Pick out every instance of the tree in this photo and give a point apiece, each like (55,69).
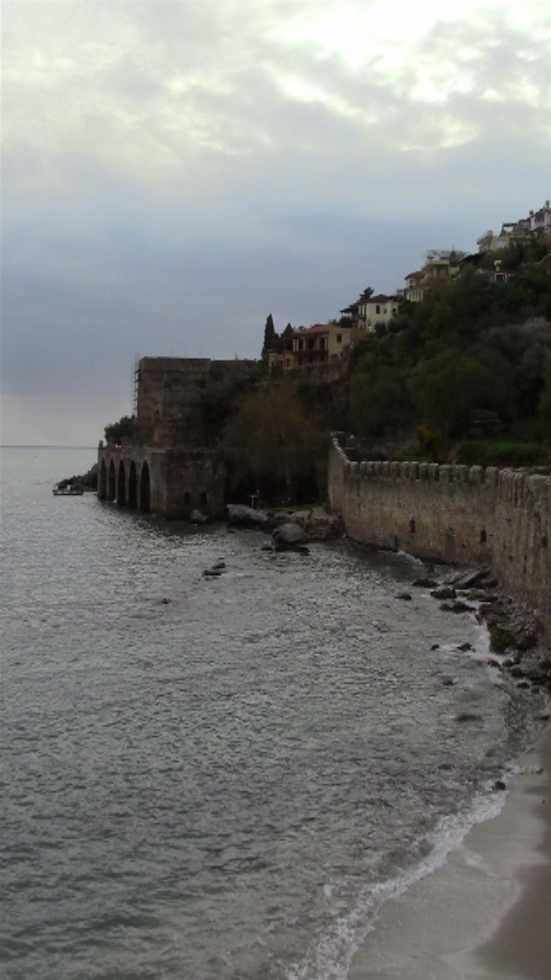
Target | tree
(270,336)
(379,400)
(125,428)
(448,387)
(286,338)
(271,445)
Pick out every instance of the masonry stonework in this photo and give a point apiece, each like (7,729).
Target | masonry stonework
(457,514)
(168,468)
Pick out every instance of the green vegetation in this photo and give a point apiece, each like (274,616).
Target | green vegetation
(271,445)
(473,344)
(463,375)
(125,428)
(497,452)
(273,341)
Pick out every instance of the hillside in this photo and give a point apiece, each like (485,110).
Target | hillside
(464,374)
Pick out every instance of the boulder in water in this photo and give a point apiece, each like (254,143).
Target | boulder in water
(289,535)
(239,515)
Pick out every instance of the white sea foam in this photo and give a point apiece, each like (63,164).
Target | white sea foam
(331,956)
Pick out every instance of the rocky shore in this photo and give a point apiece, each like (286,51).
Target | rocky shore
(517,640)
(88,481)
(516,637)
(289,529)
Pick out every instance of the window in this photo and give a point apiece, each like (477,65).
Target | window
(339,338)
(377,308)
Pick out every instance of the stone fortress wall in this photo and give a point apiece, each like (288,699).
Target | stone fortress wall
(168,468)
(458,514)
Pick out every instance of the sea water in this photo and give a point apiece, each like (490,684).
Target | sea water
(222,778)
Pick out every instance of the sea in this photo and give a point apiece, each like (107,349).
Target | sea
(224,778)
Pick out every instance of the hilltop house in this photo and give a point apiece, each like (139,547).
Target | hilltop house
(537,224)
(440,266)
(323,343)
(369,310)
(540,221)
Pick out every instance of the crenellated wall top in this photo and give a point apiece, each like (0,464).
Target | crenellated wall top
(511,486)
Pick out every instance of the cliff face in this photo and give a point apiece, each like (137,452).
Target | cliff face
(458,514)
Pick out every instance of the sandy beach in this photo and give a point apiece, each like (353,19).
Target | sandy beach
(485,914)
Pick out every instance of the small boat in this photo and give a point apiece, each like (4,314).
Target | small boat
(68,490)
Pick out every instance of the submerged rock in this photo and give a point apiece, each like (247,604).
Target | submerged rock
(444,593)
(215,570)
(477,576)
(456,607)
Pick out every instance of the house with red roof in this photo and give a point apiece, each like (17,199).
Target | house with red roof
(323,343)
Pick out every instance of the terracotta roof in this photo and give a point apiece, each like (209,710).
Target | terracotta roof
(319,328)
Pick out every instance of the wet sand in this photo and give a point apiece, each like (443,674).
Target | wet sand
(486,914)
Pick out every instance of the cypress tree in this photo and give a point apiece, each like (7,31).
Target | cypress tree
(270,338)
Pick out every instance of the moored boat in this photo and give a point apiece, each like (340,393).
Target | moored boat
(68,490)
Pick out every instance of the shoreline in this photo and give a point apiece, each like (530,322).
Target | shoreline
(486,913)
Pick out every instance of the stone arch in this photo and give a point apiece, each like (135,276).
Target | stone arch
(121,484)
(111,481)
(132,486)
(145,488)
(102,480)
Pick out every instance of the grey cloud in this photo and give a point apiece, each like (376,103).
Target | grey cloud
(266,203)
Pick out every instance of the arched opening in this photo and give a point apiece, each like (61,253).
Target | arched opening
(145,489)
(111,481)
(102,481)
(132,486)
(121,485)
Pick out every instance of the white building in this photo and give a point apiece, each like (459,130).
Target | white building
(536,224)
(369,310)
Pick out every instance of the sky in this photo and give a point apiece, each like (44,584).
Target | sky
(175,170)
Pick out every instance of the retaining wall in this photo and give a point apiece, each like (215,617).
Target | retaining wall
(458,514)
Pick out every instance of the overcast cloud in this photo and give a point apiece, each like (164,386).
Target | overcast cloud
(173,171)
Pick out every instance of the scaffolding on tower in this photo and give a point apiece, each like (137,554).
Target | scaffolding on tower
(135,383)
